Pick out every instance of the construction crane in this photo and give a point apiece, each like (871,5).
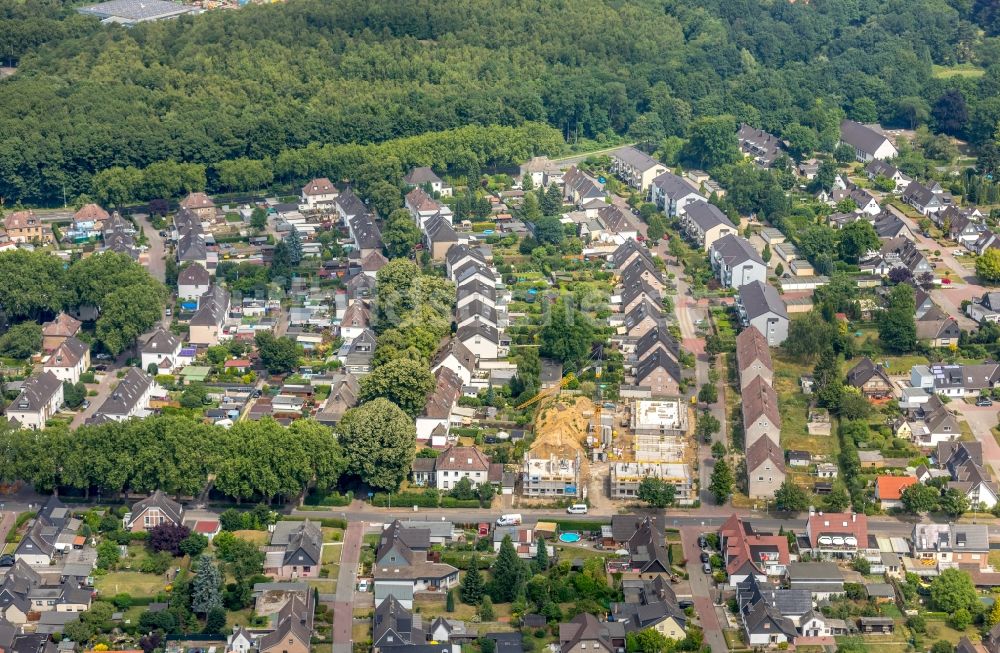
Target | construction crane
(550,391)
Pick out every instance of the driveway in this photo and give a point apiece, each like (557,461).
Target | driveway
(156,264)
(981,419)
(703,590)
(343,607)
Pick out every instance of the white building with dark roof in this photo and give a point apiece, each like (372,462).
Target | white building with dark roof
(760,305)
(69,360)
(868,144)
(635,167)
(672,194)
(736,262)
(37,402)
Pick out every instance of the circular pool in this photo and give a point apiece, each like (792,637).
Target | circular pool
(569,538)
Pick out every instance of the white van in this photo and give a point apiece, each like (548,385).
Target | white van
(513,519)
(577,509)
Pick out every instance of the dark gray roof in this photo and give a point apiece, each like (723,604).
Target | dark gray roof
(366,233)
(476,308)
(476,287)
(36,392)
(635,158)
(888,225)
(860,136)
(194,275)
(161,341)
(481,329)
(305,546)
(191,247)
(457,252)
(657,337)
(814,571)
(644,309)
(165,504)
(657,360)
(625,251)
(706,215)
(758,299)
(439,230)
(762,618)
(212,307)
(350,204)
(673,186)
(394,620)
(423,175)
(735,250)
(126,394)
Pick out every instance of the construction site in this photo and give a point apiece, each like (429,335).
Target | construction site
(591,451)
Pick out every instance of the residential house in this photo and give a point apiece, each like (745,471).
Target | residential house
(753,358)
(823,579)
(293,628)
(461,254)
(543,172)
(192,249)
(69,360)
(765,625)
(987,240)
(880,168)
(456,463)
(118,236)
(356,356)
(760,306)
(295,553)
(950,545)
(318,193)
(889,226)
(355,320)
(650,604)
(193,281)
(206,325)
(636,168)
(889,490)
(639,271)
(434,423)
(986,308)
(618,221)
(482,340)
(200,204)
(152,511)
(705,223)
(765,468)
(964,463)
(579,188)
(162,349)
(646,549)
(54,333)
(585,633)
(761,418)
(923,199)
(836,535)
(402,567)
(871,379)
(868,143)
(659,372)
(672,194)
(424,177)
(645,317)
(38,401)
(477,311)
(938,328)
(748,553)
(372,263)
(924,303)
(24,592)
(656,339)
(130,398)
(394,626)
(736,262)
(759,145)
(961,225)
(956,380)
(626,253)
(421,206)
(365,234)
(52,532)
(25,227)
(992,640)
(439,237)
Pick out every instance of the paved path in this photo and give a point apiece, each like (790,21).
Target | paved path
(7,521)
(343,607)
(703,591)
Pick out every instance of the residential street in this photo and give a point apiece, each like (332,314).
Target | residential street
(981,419)
(343,607)
(702,591)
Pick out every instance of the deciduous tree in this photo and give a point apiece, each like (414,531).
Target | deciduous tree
(378,441)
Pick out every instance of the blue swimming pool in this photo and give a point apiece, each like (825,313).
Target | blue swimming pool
(569,537)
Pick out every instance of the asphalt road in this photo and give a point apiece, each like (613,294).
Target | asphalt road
(703,591)
(343,607)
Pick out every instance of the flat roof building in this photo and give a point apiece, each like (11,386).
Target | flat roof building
(132,12)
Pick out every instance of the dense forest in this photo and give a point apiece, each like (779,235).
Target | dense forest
(247,85)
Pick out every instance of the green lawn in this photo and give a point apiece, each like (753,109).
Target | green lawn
(958,70)
(129,582)
(259,538)
(331,553)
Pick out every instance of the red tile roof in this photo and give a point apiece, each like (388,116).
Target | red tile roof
(891,487)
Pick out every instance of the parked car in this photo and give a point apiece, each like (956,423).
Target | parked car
(363,585)
(85,405)
(702,541)
(169,312)
(103,357)
(6,560)
(984,401)
(705,557)
(577,509)
(685,603)
(707,568)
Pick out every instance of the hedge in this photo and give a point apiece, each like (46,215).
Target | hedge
(330,499)
(332,522)
(576,525)
(12,536)
(452,502)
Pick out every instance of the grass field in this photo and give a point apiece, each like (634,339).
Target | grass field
(794,409)
(331,553)
(958,70)
(254,537)
(129,582)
